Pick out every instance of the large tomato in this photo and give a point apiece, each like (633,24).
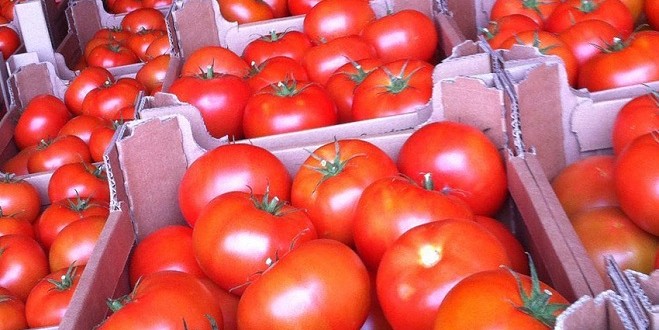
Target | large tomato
(231,167)
(228,303)
(100,140)
(636,179)
(248,232)
(637,117)
(139,42)
(75,242)
(391,206)
(12,311)
(62,150)
(320,284)
(273,70)
(19,199)
(159,46)
(51,296)
(570,12)
(331,19)
(585,184)
(82,126)
(331,180)
(22,264)
(395,88)
(500,299)
(245,11)
(81,179)
(518,259)
(423,264)
(321,61)
(462,160)
(626,62)
(300,7)
(220,98)
(10,225)
(215,58)
(507,26)
(342,83)
(288,106)
(108,100)
(9,41)
(165,300)
(407,34)
(42,118)
(153,253)
(587,38)
(152,74)
(291,44)
(17,164)
(144,19)
(111,55)
(651,10)
(537,10)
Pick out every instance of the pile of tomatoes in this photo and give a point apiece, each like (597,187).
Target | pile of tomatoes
(596,39)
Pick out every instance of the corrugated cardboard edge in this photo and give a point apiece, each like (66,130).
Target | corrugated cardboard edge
(588,313)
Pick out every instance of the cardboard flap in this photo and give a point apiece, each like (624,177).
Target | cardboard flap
(198,23)
(589,313)
(34,29)
(586,115)
(86,19)
(238,36)
(467,59)
(471,15)
(32,80)
(450,35)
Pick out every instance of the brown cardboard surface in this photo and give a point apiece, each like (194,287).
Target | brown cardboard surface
(588,313)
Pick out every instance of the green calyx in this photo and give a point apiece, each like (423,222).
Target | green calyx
(266,204)
(116,304)
(8,178)
(398,82)
(66,281)
(587,6)
(272,36)
(79,204)
(331,167)
(428,184)
(358,77)
(536,302)
(287,88)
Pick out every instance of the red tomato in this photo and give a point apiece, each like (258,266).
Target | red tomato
(19,199)
(423,264)
(231,167)
(100,140)
(539,11)
(635,7)
(111,55)
(12,311)
(82,126)
(156,3)
(587,38)
(228,303)
(159,46)
(149,254)
(95,42)
(88,79)
(75,243)
(274,70)
(41,119)
(245,11)
(323,60)
(167,299)
(651,10)
(629,62)
(407,34)
(497,299)
(10,225)
(288,106)
(636,178)
(139,42)
(570,12)
(125,6)
(18,163)
(220,98)
(144,19)
(395,88)
(9,41)
(586,184)
(342,83)
(548,44)
(219,59)
(291,44)
(639,116)
(50,298)
(153,73)
(466,164)
(331,19)
(391,206)
(331,180)
(116,34)
(507,26)
(107,101)
(60,214)
(279,8)
(82,180)
(62,150)
(309,288)
(518,259)
(301,7)
(249,232)
(22,264)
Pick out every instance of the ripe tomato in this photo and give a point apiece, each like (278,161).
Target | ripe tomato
(95,42)
(342,83)
(548,44)
(651,10)
(570,12)
(88,79)
(394,88)
(18,163)
(627,62)
(288,106)
(245,11)
(424,263)
(322,60)
(19,199)
(116,34)
(300,7)
(331,180)
(159,46)
(507,26)
(639,116)
(539,11)
(62,150)
(309,288)
(215,58)
(9,41)
(41,119)
(273,70)
(636,178)
(153,73)
(143,19)
(228,303)
(81,179)
(111,55)
(231,167)
(51,296)
(60,214)
(586,184)
(407,34)
(518,259)
(75,242)
(82,126)
(391,206)
(249,232)
(10,225)
(139,42)
(291,44)
(149,254)
(331,19)
(500,299)
(12,311)
(587,38)
(125,6)
(635,7)
(100,140)
(167,299)
(22,264)
(466,164)
(108,100)
(156,3)
(220,98)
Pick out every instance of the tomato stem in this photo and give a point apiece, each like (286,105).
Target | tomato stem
(428,184)
(587,6)
(66,281)
(272,206)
